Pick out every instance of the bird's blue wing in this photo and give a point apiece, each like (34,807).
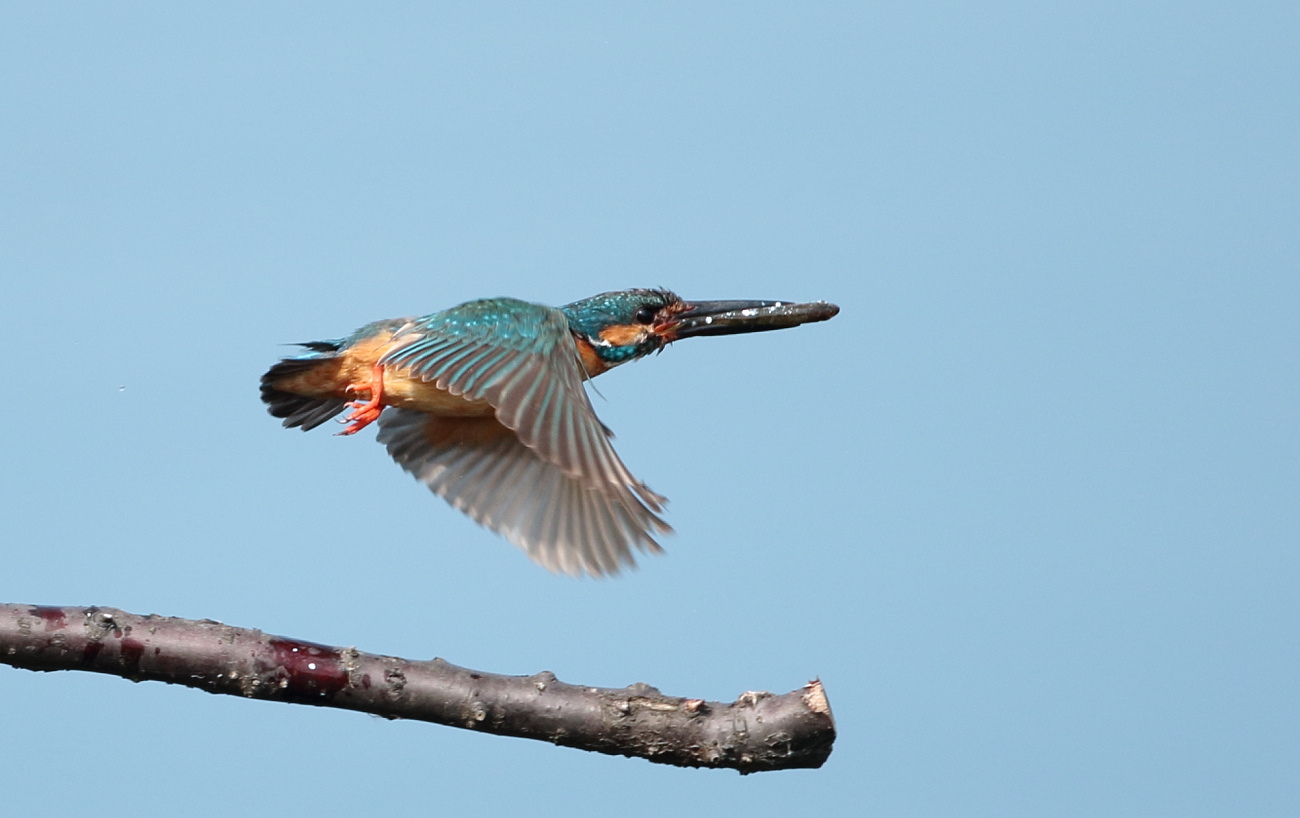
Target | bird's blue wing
(521,358)
(559,490)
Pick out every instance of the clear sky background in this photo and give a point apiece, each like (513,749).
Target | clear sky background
(1028,506)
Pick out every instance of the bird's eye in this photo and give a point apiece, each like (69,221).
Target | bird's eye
(645,315)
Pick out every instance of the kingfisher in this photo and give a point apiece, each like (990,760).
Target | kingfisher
(485,404)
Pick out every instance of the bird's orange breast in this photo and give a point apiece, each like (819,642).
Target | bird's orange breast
(400,389)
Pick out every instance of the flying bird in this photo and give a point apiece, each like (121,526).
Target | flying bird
(485,404)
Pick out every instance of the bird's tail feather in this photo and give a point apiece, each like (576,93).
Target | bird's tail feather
(300,410)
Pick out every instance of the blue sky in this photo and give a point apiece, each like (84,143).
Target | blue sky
(1028,506)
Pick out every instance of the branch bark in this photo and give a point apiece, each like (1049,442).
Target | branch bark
(757,732)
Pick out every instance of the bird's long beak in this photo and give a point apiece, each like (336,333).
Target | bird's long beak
(732,317)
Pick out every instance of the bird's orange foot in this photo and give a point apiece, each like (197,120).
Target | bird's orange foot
(366,412)
(362,415)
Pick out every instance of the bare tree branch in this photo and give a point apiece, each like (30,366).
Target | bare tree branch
(758,731)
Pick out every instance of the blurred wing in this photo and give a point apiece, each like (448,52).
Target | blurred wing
(486,471)
(522,359)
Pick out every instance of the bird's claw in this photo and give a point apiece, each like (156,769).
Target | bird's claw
(362,415)
(365,412)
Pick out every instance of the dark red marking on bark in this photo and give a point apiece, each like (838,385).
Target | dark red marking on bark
(89,652)
(365,680)
(308,670)
(132,652)
(53,617)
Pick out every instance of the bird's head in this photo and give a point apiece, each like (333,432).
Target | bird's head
(617,327)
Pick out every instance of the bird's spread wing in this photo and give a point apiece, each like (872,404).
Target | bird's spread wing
(485,470)
(556,487)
